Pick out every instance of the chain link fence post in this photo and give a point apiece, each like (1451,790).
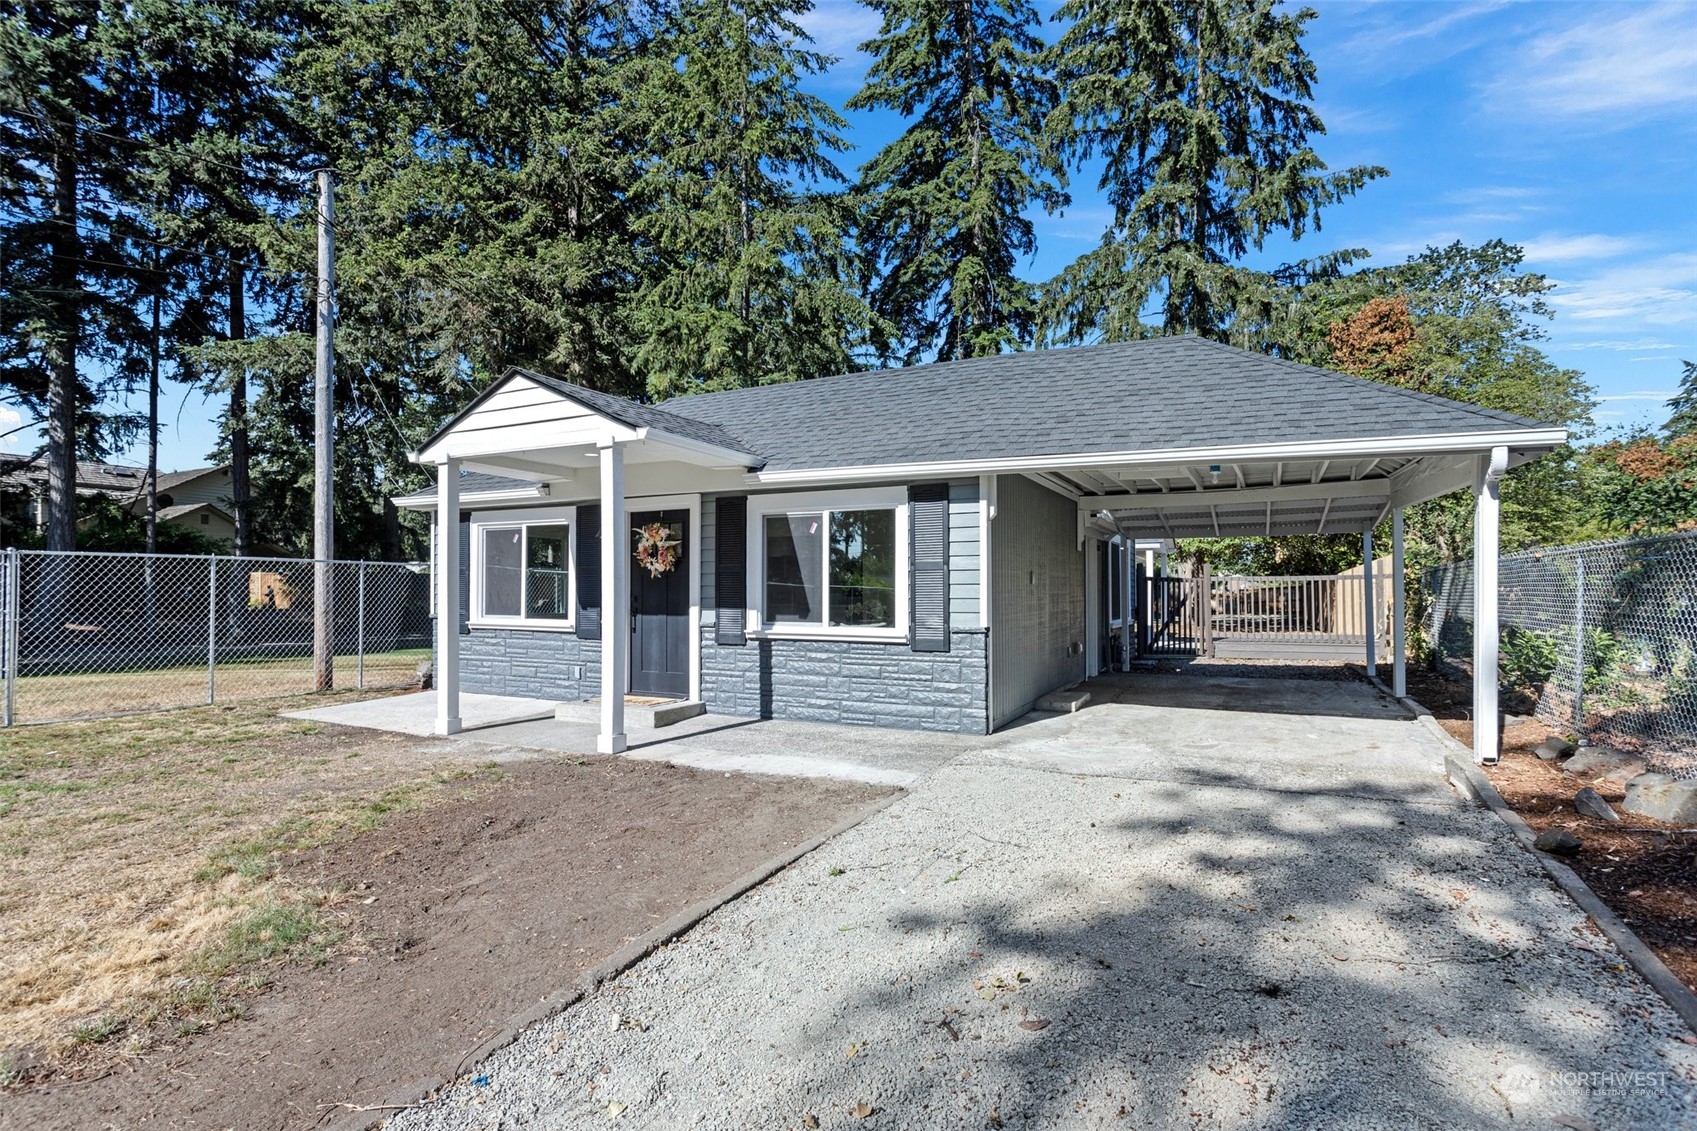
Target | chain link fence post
(359,671)
(211,629)
(9,634)
(1579,643)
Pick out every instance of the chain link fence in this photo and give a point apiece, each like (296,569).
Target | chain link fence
(87,635)
(1598,639)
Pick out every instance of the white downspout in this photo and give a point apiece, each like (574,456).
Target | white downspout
(1487,516)
(448,597)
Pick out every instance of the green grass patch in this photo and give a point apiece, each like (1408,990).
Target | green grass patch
(94,1032)
(273,932)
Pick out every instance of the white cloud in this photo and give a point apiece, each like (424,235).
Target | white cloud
(1619,59)
(10,418)
(1388,41)
(839,27)
(1648,396)
(1657,291)
(1620,345)
(1570,249)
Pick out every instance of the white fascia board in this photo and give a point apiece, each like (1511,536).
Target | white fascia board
(1541,439)
(468,498)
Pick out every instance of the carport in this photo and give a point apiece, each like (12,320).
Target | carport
(1337,487)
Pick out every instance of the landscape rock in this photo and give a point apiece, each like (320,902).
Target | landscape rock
(1662,797)
(1603,762)
(1554,747)
(1558,842)
(1589,803)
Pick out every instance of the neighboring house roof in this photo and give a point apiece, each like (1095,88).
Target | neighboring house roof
(170,479)
(113,478)
(166,514)
(1156,394)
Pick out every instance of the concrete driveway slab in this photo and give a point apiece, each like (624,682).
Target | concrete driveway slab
(1248,935)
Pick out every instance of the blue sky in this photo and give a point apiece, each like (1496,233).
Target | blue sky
(1568,128)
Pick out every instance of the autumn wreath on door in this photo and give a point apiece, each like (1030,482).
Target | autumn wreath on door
(656,549)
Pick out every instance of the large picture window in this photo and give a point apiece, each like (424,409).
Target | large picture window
(836,569)
(523,572)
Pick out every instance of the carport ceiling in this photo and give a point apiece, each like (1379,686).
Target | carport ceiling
(1260,499)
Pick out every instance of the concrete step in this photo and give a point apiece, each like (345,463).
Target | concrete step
(1063,702)
(639,712)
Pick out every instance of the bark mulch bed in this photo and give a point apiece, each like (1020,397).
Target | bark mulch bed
(1646,871)
(454,918)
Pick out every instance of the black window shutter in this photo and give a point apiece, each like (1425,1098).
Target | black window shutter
(465,574)
(730,569)
(928,527)
(589,572)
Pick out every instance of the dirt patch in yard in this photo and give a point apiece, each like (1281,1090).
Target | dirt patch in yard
(1645,870)
(452,919)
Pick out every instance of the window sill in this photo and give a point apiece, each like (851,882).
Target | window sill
(824,634)
(525,625)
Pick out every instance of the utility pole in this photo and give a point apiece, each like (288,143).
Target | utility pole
(324,439)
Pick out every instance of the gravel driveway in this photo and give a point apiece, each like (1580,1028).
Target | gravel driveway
(1166,911)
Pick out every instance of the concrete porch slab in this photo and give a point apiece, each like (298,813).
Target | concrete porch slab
(416,713)
(645,713)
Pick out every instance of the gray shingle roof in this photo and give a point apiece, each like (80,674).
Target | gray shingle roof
(472,483)
(1157,394)
(636,415)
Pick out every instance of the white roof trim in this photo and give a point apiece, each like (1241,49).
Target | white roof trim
(1540,438)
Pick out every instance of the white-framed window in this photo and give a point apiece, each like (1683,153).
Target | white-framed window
(522,573)
(829,564)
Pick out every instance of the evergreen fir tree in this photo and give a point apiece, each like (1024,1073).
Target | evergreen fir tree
(747,281)
(1199,111)
(1683,422)
(944,222)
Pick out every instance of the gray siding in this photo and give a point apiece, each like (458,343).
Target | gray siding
(1037,596)
(963,554)
(854,682)
(540,665)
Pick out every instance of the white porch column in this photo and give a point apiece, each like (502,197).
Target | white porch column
(1367,609)
(448,566)
(1399,611)
(615,600)
(1487,510)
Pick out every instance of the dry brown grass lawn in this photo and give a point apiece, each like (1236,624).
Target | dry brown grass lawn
(137,863)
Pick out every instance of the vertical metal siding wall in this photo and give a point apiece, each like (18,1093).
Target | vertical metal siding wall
(1037,579)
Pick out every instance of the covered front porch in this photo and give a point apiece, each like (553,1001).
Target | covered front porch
(564,562)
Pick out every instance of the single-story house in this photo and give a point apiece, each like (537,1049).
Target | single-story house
(197,499)
(922,547)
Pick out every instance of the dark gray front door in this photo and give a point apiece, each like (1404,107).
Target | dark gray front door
(659,653)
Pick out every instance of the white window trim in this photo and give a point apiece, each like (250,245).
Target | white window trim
(872,498)
(508,520)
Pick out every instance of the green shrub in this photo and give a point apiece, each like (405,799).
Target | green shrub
(1528,659)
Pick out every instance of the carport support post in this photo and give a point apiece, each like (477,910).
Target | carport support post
(615,599)
(1367,610)
(1399,610)
(448,597)
(1487,510)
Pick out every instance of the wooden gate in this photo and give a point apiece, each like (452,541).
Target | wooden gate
(1173,618)
(1317,618)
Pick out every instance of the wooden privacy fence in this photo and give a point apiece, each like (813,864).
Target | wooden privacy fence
(1303,617)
